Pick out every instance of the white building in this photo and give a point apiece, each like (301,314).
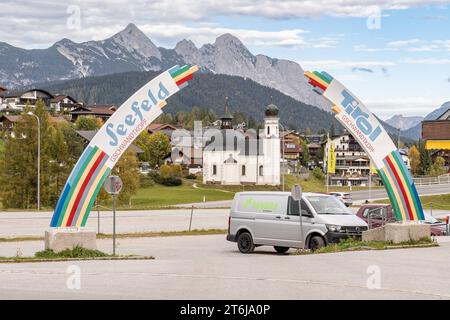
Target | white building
(352,162)
(16,101)
(233,157)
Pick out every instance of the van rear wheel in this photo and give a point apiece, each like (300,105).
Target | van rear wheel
(245,242)
(316,242)
(281,249)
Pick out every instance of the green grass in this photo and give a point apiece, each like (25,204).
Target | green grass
(356,245)
(438,202)
(77,252)
(160,197)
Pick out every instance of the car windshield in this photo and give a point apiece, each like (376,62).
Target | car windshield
(429,218)
(327,205)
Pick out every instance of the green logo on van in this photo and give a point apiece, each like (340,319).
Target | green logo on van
(260,205)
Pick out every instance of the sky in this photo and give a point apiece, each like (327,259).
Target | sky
(394,55)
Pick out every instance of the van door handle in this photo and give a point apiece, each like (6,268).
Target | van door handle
(278,217)
(287,218)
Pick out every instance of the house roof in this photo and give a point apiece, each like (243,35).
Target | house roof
(92,111)
(11,118)
(14,94)
(445,115)
(16,118)
(102,106)
(161,126)
(60,97)
(314,146)
(88,135)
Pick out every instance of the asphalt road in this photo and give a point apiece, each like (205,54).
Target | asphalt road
(358,196)
(381,193)
(17,224)
(208,267)
(14,224)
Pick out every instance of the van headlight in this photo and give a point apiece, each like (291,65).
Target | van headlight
(334,228)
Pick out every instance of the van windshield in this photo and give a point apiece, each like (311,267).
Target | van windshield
(327,205)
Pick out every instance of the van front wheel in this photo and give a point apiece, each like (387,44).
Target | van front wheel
(245,242)
(316,242)
(281,249)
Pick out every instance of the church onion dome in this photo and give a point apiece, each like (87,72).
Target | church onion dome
(271,110)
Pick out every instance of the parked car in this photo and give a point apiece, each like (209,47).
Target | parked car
(345,197)
(382,213)
(272,219)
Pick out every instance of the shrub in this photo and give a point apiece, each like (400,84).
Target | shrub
(317,173)
(191,176)
(169,175)
(171,182)
(146,181)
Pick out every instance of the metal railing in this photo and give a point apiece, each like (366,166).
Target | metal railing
(445,178)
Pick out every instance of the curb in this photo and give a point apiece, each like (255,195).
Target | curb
(37,260)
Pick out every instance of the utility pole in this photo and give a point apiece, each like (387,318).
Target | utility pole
(38,161)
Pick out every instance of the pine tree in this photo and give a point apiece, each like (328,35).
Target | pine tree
(18,176)
(305,153)
(425,159)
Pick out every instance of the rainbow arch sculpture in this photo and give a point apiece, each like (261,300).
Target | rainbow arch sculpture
(367,130)
(111,141)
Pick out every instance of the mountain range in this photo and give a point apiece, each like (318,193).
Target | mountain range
(132,50)
(415,132)
(403,123)
(206,90)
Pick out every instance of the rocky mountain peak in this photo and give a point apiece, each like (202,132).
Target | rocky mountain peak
(185,46)
(227,40)
(133,39)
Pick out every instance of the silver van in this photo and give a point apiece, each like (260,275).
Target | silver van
(272,219)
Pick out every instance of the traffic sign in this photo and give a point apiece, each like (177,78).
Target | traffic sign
(113,184)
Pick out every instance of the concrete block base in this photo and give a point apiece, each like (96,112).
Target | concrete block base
(61,239)
(398,232)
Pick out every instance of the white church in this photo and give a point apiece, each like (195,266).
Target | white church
(234,157)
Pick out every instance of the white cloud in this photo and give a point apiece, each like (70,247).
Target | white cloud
(427,61)
(411,106)
(206,34)
(342,64)
(411,45)
(48,21)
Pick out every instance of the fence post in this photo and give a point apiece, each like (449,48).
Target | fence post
(190,221)
(98,217)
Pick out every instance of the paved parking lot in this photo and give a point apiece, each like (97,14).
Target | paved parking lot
(208,267)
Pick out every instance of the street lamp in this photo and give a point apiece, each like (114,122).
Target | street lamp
(282,150)
(38,161)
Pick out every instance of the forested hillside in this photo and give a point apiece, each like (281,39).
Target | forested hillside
(205,91)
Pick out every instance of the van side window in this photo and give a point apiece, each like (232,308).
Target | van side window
(293,208)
